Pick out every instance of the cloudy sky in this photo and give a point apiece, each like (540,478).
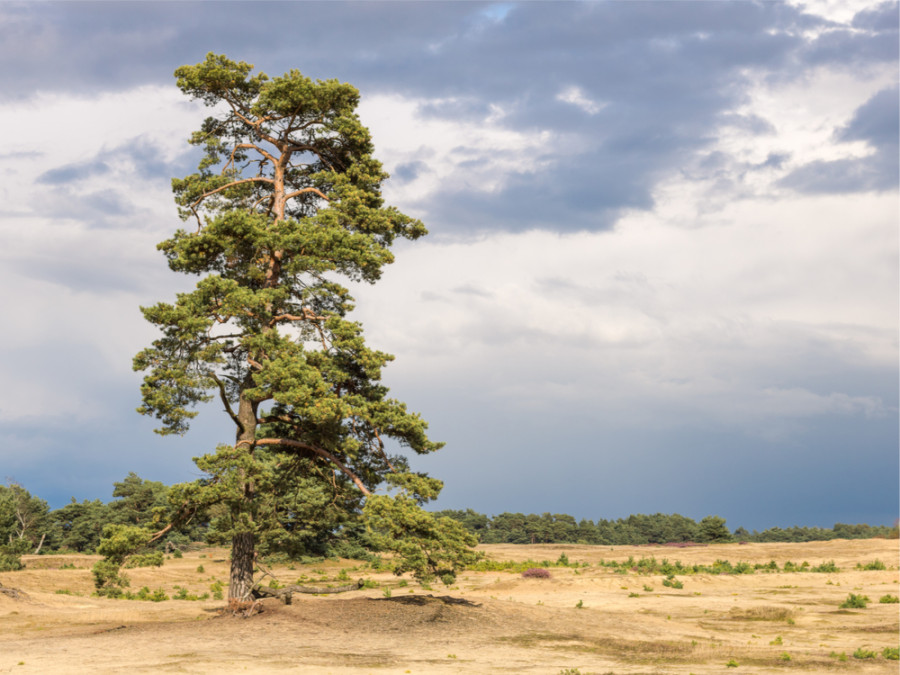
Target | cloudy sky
(662,274)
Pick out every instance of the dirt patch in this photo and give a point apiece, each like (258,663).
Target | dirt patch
(591,618)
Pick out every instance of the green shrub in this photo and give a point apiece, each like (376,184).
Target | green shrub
(891,653)
(863,654)
(201,569)
(840,657)
(854,601)
(178,554)
(785,656)
(828,567)
(10,562)
(889,599)
(216,589)
(152,559)
(579,604)
(671,582)
(874,565)
(732,664)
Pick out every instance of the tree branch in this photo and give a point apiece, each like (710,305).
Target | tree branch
(315,191)
(312,448)
(225,402)
(255,179)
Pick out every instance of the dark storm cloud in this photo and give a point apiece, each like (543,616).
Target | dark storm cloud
(877,122)
(70,173)
(666,74)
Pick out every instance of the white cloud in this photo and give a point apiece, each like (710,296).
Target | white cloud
(449,154)
(577,97)
(655,323)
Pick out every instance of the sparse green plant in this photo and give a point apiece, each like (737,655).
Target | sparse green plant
(863,654)
(217,590)
(451,656)
(888,599)
(570,671)
(828,567)
(777,641)
(579,604)
(874,565)
(201,569)
(671,582)
(891,653)
(369,583)
(785,656)
(855,601)
(403,583)
(563,560)
(343,576)
(732,664)
(634,595)
(386,592)
(840,657)
(648,589)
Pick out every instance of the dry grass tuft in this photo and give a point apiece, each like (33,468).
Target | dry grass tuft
(760,614)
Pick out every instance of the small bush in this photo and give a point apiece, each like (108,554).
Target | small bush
(732,664)
(840,657)
(889,599)
(828,567)
(785,656)
(671,582)
(648,589)
(536,573)
(891,653)
(178,554)
(777,641)
(216,589)
(386,592)
(201,569)
(579,604)
(152,559)
(10,562)
(854,601)
(863,654)
(874,565)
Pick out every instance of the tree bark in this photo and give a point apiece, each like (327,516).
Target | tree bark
(243,544)
(243,549)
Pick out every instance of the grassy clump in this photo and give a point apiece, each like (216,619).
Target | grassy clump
(855,601)
(874,565)
(888,599)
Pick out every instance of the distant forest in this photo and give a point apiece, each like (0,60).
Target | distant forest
(28,525)
(659,528)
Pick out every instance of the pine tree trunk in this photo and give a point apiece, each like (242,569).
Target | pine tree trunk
(242,554)
(243,544)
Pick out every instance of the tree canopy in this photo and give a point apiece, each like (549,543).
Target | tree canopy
(286,202)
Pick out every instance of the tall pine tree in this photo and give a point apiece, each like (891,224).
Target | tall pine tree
(286,202)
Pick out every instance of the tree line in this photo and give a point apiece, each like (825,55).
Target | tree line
(318,527)
(659,528)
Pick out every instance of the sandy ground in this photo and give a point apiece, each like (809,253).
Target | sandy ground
(489,622)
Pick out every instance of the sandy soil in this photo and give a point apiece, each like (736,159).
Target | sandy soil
(490,622)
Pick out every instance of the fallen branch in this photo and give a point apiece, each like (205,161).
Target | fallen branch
(14,593)
(285,594)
